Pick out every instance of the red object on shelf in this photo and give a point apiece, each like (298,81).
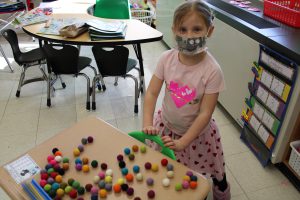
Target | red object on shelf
(286,11)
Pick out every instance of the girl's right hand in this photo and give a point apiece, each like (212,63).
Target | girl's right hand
(150,130)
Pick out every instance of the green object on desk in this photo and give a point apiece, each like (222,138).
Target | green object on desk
(112,9)
(141,136)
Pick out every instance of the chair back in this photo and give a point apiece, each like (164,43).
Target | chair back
(112,9)
(12,38)
(61,59)
(111,62)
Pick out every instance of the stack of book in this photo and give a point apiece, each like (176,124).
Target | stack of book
(99,30)
(9,6)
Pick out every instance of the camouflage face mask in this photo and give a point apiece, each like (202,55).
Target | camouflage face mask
(191,46)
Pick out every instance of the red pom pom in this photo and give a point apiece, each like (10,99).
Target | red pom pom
(44,176)
(151,194)
(148,165)
(73,194)
(53,174)
(164,162)
(50,157)
(90,139)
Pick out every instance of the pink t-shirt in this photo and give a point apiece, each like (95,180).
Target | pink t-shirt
(185,86)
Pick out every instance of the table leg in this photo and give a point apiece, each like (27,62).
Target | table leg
(138,52)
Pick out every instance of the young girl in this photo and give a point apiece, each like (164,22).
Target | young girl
(193,81)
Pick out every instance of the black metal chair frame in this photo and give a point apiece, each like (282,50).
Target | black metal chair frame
(63,62)
(25,59)
(114,63)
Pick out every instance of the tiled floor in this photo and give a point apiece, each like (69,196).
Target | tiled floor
(27,121)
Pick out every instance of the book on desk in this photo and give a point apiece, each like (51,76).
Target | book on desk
(99,30)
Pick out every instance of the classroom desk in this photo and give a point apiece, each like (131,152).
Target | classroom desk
(136,34)
(108,143)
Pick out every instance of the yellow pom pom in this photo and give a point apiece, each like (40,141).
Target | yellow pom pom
(76,152)
(154,167)
(85,168)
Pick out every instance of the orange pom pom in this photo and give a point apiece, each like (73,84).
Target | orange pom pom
(58,178)
(117,188)
(193,184)
(135,148)
(129,177)
(85,168)
(58,153)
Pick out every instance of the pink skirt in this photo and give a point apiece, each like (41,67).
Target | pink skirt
(204,154)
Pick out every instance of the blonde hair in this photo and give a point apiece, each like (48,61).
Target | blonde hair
(197,6)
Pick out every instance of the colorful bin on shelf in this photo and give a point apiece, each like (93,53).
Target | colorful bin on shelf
(286,11)
(294,160)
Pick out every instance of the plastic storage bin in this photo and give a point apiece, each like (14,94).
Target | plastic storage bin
(142,15)
(294,160)
(286,11)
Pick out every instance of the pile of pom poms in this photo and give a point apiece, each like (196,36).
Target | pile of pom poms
(52,181)
(188,181)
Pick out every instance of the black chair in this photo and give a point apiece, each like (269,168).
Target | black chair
(114,61)
(25,59)
(65,60)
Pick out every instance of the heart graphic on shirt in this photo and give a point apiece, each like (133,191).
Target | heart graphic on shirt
(194,147)
(181,95)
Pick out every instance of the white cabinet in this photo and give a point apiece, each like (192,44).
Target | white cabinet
(235,53)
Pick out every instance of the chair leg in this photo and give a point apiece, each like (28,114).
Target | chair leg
(136,93)
(43,72)
(88,91)
(102,83)
(140,78)
(95,73)
(96,78)
(63,84)
(49,90)
(116,81)
(2,52)
(21,81)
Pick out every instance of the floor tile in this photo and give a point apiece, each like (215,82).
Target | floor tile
(24,104)
(15,144)
(3,195)
(235,188)
(103,110)
(280,191)
(2,108)
(6,88)
(129,124)
(231,142)
(25,121)
(239,197)
(250,174)
(57,117)
(221,117)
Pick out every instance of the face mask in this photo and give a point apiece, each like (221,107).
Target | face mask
(191,46)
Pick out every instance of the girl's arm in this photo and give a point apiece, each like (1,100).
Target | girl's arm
(149,105)
(207,107)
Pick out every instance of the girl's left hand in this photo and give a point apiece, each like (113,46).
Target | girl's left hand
(175,145)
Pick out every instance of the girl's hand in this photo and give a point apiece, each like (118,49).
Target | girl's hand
(176,145)
(150,130)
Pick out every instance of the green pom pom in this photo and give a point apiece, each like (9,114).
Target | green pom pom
(76,184)
(94,163)
(68,189)
(81,190)
(65,160)
(178,187)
